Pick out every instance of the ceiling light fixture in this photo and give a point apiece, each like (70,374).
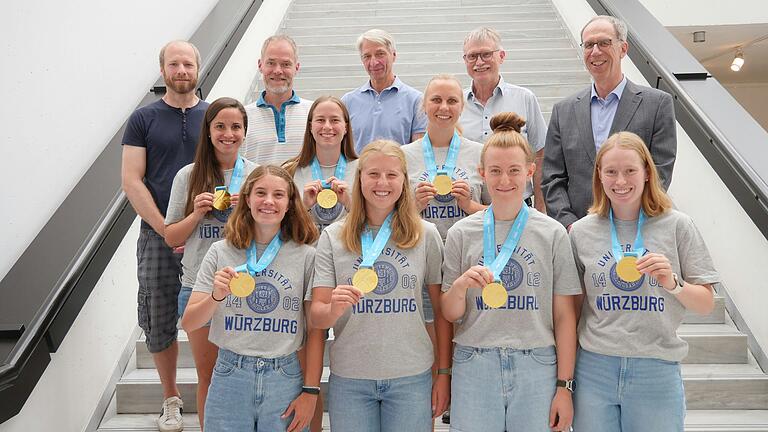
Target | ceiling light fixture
(738,61)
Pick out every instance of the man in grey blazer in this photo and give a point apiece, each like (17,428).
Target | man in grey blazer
(581,122)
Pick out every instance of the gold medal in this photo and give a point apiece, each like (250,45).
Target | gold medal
(221,199)
(242,285)
(443,184)
(494,295)
(327,198)
(626,268)
(365,279)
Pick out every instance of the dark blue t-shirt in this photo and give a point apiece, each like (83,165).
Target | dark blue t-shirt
(170,136)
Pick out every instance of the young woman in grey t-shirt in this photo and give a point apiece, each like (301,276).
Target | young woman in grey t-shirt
(258,382)
(515,349)
(642,264)
(381,356)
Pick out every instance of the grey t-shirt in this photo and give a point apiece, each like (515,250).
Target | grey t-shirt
(443,210)
(542,264)
(324,217)
(637,319)
(383,336)
(270,322)
(209,230)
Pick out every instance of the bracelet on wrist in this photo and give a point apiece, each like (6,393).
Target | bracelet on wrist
(310,390)
(444,371)
(217,300)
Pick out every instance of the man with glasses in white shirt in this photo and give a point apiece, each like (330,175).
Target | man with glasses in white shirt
(581,122)
(489,94)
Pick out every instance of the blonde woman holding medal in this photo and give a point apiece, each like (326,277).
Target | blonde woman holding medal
(642,264)
(253,287)
(327,163)
(510,283)
(369,272)
(196,219)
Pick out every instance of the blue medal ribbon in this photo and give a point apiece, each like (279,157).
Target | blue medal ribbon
(496,263)
(341,169)
(254,264)
(237,176)
(450,159)
(638,248)
(372,248)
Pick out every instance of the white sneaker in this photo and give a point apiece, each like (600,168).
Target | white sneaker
(170,419)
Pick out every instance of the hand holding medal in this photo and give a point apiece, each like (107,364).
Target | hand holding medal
(424,193)
(243,283)
(203,203)
(627,262)
(659,267)
(327,197)
(441,179)
(222,196)
(365,278)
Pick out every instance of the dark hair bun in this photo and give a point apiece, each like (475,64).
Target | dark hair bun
(507,122)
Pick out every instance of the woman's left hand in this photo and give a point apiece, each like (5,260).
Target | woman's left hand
(561,411)
(658,266)
(234,199)
(342,190)
(441,394)
(462,193)
(303,408)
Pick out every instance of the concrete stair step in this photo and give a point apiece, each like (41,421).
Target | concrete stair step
(399,28)
(714,343)
(419,81)
(531,13)
(390,14)
(725,387)
(420,7)
(456,67)
(376,4)
(531,31)
(347,46)
(514,54)
(695,421)
(540,90)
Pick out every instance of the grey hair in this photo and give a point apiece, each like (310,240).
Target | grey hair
(161,57)
(483,34)
(377,36)
(619,27)
(277,38)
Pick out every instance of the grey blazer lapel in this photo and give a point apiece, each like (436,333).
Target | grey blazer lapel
(583,112)
(628,104)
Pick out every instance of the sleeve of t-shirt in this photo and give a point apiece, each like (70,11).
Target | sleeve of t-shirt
(565,278)
(204,280)
(419,123)
(178,200)
(579,265)
(135,131)
(325,271)
(433,249)
(452,257)
(309,272)
(537,129)
(696,265)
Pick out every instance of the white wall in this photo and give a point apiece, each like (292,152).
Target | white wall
(72,73)
(698,191)
(753,98)
(70,388)
(707,12)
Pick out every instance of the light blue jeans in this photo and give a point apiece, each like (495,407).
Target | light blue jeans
(502,389)
(251,393)
(626,394)
(184,295)
(392,405)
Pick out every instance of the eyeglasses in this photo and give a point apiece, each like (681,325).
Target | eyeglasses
(602,44)
(486,56)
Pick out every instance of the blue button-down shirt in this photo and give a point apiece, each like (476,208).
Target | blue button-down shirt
(603,112)
(279,114)
(394,114)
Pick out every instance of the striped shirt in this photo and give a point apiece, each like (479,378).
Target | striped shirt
(275,136)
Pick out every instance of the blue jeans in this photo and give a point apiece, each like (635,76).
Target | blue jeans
(251,393)
(626,394)
(502,389)
(184,295)
(392,405)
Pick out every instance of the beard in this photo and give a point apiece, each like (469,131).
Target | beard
(181,87)
(276,89)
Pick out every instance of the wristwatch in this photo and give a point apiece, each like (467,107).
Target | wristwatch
(311,390)
(678,285)
(569,384)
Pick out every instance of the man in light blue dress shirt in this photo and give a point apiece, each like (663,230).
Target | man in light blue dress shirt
(383,107)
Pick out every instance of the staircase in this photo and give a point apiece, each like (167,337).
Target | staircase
(725,389)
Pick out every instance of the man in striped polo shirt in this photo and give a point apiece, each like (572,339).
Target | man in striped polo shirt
(276,121)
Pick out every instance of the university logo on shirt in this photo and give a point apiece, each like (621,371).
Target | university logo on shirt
(264,298)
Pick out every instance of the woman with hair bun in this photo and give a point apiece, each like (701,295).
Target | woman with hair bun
(642,265)
(510,283)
